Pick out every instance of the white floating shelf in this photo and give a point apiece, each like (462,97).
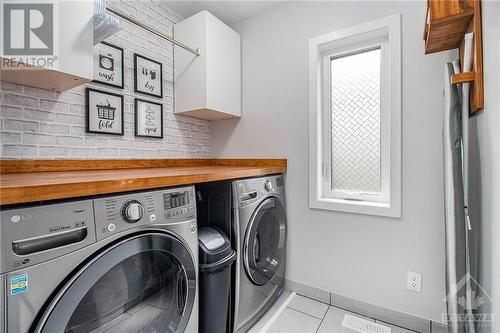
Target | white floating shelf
(73,51)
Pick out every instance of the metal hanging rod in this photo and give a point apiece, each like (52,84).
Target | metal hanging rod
(124,16)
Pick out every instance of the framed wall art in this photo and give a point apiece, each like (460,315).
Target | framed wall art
(148,76)
(104,112)
(148,119)
(108,65)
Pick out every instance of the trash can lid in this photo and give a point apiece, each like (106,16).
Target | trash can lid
(215,252)
(211,238)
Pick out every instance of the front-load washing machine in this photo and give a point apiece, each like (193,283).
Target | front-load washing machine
(260,229)
(123,263)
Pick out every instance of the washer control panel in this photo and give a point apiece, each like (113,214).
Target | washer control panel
(132,211)
(118,213)
(268,186)
(249,191)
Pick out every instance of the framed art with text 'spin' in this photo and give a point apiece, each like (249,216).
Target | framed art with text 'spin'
(148,119)
(148,76)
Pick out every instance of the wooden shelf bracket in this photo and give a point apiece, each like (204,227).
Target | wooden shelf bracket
(463,77)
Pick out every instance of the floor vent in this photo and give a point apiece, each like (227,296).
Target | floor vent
(363,326)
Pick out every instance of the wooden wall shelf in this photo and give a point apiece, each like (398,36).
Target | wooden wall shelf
(446,24)
(446,33)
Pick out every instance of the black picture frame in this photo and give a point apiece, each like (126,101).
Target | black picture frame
(88,91)
(122,68)
(136,88)
(136,118)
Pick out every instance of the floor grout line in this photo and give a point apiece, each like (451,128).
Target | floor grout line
(320,320)
(313,299)
(353,312)
(279,312)
(321,323)
(324,315)
(390,324)
(307,314)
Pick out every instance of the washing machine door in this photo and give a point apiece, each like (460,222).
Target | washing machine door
(264,246)
(146,283)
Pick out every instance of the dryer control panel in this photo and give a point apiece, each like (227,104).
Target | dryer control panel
(122,212)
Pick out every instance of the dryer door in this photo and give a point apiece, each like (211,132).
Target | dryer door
(264,246)
(146,283)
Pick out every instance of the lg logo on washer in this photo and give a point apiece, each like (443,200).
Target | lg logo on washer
(18,218)
(28,34)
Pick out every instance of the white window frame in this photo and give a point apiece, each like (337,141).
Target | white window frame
(384,33)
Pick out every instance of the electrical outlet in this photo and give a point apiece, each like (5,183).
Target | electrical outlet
(414,282)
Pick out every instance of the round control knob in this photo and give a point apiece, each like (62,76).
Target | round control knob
(268,186)
(132,211)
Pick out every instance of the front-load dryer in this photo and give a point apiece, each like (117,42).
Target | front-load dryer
(260,230)
(123,263)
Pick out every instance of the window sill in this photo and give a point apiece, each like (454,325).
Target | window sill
(356,207)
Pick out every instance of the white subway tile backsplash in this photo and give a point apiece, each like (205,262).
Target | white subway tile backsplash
(38,123)
(37,92)
(107,152)
(7,137)
(36,138)
(139,144)
(82,152)
(38,115)
(77,130)
(77,109)
(56,152)
(18,100)
(118,143)
(69,119)
(95,142)
(8,86)
(21,125)
(54,128)
(55,106)
(69,140)
(19,151)
(71,96)
(11,111)
(134,153)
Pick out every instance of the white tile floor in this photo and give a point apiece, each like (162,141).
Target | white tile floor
(297,314)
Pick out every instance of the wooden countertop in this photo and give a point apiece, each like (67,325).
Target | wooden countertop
(22,182)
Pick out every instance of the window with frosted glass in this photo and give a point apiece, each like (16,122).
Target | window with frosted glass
(355,123)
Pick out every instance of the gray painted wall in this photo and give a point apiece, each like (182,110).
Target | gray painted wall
(488,129)
(359,256)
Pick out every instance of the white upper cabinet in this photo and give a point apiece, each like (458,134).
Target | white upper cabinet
(207,86)
(67,32)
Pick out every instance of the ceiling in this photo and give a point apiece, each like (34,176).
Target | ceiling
(229,12)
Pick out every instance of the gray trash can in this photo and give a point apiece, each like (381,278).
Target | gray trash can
(215,259)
